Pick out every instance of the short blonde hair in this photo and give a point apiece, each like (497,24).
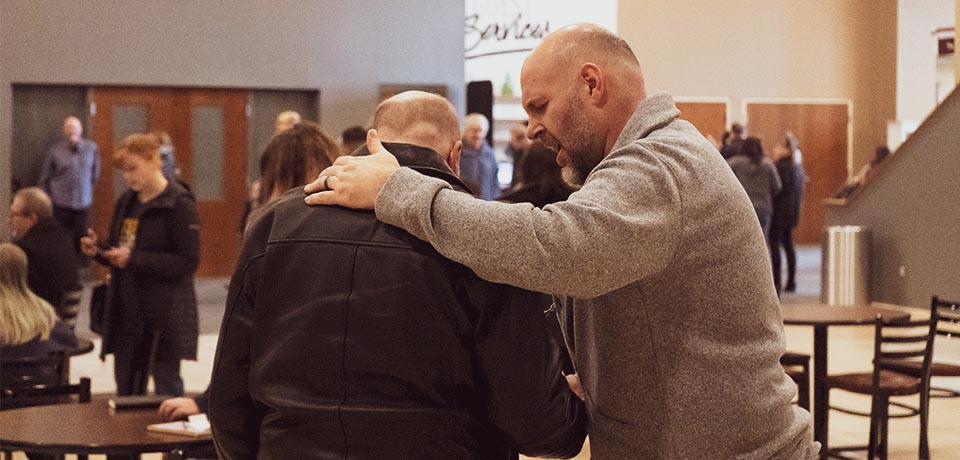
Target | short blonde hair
(146,146)
(24,316)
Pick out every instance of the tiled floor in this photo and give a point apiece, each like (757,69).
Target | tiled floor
(851,350)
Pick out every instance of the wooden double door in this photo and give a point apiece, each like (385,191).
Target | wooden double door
(208,128)
(822,130)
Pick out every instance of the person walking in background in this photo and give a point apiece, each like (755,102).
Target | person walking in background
(70,171)
(786,209)
(53,267)
(759,178)
(478,163)
(152,250)
(733,142)
(515,149)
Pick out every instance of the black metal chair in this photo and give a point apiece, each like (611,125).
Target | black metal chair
(797,367)
(948,326)
(893,343)
(38,380)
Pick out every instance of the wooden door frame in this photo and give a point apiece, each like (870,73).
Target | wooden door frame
(708,100)
(167,108)
(806,101)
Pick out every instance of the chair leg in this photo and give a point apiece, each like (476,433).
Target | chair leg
(874,428)
(924,420)
(884,425)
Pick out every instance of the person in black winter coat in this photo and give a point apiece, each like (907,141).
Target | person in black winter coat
(387,349)
(152,251)
(540,179)
(786,210)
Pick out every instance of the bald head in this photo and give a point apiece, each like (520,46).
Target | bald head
(72,129)
(580,86)
(418,118)
(287,120)
(574,45)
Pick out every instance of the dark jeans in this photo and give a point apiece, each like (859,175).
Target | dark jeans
(74,221)
(132,365)
(783,236)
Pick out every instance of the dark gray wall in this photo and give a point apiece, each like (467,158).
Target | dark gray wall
(912,209)
(38,114)
(264,107)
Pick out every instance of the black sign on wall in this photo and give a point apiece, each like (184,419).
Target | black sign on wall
(946,46)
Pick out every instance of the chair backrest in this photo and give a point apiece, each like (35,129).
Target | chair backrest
(949,313)
(40,394)
(50,369)
(904,340)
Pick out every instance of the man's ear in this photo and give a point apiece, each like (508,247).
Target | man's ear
(453,160)
(592,77)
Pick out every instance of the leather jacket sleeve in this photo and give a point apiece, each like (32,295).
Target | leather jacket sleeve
(234,417)
(526,395)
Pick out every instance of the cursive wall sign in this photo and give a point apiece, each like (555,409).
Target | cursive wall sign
(490,37)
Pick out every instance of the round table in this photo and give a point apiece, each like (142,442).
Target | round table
(821,317)
(88,428)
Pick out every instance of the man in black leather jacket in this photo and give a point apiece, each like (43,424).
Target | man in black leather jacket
(388,350)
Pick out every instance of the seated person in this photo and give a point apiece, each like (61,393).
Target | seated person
(52,262)
(389,350)
(865,174)
(180,408)
(28,324)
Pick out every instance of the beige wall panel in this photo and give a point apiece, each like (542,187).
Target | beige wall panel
(818,49)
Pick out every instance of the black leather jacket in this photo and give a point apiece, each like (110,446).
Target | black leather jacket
(348,338)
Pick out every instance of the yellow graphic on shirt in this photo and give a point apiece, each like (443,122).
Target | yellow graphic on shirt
(128,234)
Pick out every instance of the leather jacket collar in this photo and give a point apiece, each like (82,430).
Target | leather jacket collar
(424,160)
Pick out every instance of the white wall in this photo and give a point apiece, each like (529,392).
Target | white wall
(521,24)
(917,56)
(345,48)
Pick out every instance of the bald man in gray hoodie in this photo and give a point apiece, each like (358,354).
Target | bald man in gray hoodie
(659,259)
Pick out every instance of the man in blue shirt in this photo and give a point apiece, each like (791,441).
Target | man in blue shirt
(478,164)
(69,173)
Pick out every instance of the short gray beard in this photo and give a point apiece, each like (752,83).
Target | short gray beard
(572,176)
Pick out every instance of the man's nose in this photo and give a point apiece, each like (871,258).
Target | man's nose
(534,130)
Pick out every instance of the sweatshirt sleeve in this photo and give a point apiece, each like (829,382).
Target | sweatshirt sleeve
(622,226)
